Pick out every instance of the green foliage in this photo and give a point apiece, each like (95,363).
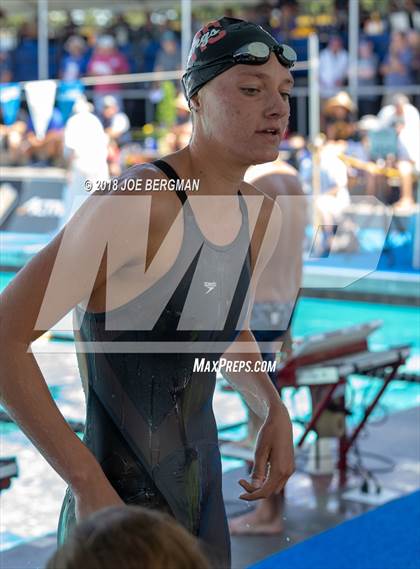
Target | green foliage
(166,110)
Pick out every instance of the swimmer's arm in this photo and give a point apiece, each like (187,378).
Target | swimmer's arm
(286,189)
(256,387)
(274,454)
(274,444)
(62,275)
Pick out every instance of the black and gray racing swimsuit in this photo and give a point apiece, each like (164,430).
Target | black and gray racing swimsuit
(150,419)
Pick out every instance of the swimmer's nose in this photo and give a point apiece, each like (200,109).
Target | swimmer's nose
(277,106)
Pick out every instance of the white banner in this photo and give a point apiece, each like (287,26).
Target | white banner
(40,96)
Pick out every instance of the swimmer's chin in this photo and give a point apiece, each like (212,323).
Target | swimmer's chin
(268,157)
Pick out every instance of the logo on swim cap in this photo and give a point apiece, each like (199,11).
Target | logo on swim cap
(209,34)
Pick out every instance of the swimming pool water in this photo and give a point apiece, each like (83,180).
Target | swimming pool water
(401,323)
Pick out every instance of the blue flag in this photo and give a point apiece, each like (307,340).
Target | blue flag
(68,92)
(10,101)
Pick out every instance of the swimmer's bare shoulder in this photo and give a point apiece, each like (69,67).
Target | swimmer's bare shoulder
(277,178)
(109,229)
(267,225)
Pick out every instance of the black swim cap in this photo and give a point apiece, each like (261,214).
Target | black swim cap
(214,45)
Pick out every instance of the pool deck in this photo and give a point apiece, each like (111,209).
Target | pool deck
(313,503)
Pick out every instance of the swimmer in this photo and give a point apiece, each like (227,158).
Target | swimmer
(275,299)
(142,271)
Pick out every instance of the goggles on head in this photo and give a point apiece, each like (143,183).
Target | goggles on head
(257,53)
(252,53)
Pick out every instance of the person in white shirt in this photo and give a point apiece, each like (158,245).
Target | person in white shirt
(405,118)
(86,149)
(117,127)
(115,122)
(333,67)
(333,197)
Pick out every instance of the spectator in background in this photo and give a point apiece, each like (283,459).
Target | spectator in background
(169,55)
(129,537)
(374,24)
(406,17)
(146,46)
(117,126)
(263,15)
(405,119)
(121,31)
(168,58)
(70,28)
(333,67)
(85,150)
(47,151)
(11,139)
(287,20)
(25,56)
(73,64)
(413,14)
(338,117)
(413,39)
(396,67)
(375,153)
(124,40)
(5,66)
(107,60)
(150,50)
(367,69)
(115,122)
(180,134)
(332,197)
(340,16)
(6,46)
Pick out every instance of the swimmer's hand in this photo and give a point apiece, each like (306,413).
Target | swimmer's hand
(274,457)
(94,497)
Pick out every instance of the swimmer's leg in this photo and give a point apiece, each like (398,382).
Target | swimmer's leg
(265,519)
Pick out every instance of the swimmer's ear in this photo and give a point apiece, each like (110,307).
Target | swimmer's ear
(195,103)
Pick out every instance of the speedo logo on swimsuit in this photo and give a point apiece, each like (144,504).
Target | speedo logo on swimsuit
(210,287)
